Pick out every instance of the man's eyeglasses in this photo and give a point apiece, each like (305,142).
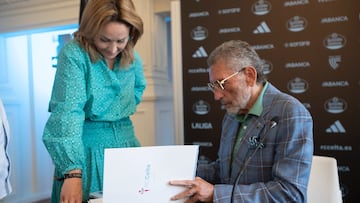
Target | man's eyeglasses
(219,84)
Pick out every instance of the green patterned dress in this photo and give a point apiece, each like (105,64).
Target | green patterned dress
(90,107)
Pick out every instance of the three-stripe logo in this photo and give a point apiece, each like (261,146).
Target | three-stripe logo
(336,127)
(262,28)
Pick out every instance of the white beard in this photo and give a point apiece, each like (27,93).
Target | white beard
(242,99)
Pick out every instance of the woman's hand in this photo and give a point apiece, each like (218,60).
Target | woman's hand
(71,191)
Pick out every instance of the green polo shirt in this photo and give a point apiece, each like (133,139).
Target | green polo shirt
(243,119)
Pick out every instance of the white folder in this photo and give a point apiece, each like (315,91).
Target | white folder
(141,174)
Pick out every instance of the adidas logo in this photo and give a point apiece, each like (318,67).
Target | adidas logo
(262,28)
(200,53)
(336,127)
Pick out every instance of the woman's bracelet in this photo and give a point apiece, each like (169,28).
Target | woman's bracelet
(68,175)
(72,175)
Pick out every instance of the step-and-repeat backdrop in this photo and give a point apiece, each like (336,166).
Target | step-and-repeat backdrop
(311,49)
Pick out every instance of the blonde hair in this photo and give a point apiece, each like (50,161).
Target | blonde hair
(96,14)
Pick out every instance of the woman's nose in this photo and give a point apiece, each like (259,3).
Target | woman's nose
(113,47)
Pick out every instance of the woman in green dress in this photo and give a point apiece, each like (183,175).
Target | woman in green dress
(98,84)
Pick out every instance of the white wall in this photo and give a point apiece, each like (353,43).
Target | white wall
(32,14)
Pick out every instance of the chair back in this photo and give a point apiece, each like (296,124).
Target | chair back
(324,181)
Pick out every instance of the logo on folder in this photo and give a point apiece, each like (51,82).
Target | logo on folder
(146,185)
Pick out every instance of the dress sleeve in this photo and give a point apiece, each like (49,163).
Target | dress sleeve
(140,82)
(62,135)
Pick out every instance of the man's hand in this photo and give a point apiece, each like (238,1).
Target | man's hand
(198,190)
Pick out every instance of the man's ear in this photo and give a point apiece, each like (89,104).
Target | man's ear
(251,75)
